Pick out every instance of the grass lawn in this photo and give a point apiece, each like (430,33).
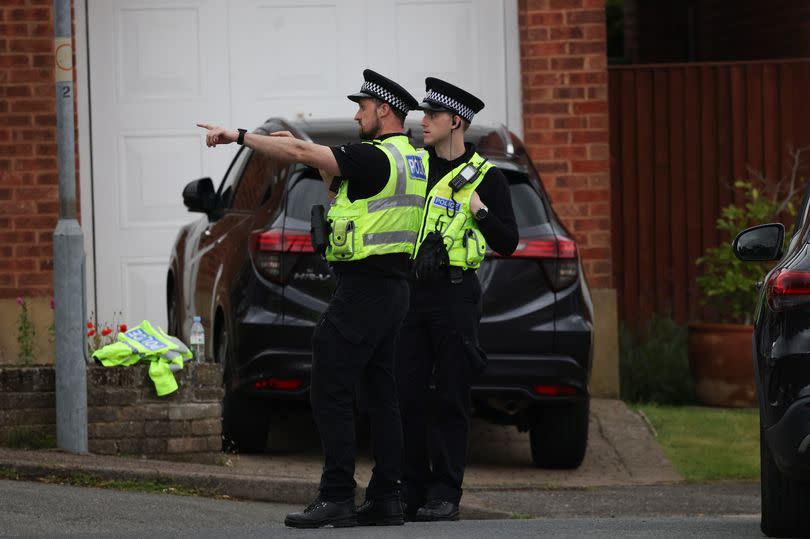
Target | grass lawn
(707,444)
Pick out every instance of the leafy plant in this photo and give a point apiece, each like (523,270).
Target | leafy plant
(26,332)
(101,334)
(727,284)
(653,363)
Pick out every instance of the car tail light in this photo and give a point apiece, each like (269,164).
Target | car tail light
(555,390)
(270,246)
(787,289)
(558,257)
(285,384)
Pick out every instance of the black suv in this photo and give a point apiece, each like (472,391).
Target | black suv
(247,267)
(781,355)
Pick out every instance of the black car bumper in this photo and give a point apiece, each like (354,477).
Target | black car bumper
(516,376)
(789,440)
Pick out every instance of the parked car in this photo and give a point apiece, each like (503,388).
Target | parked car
(781,355)
(247,267)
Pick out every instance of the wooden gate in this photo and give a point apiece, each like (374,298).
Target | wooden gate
(679,136)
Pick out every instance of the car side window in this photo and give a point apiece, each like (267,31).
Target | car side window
(228,185)
(306,191)
(256,183)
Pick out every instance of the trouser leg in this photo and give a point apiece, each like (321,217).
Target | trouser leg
(413,368)
(453,326)
(336,364)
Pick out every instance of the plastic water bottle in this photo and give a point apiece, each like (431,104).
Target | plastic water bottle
(198,340)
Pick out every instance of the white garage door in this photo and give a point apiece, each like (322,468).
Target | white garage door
(158,67)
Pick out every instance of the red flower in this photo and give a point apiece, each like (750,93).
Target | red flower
(91,332)
(122,327)
(20,301)
(89,325)
(106,331)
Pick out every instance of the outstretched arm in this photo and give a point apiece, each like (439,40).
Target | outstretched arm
(283,148)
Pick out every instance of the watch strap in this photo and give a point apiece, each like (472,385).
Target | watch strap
(241,138)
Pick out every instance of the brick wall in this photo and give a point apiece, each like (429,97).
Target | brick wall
(28,165)
(565,118)
(124,414)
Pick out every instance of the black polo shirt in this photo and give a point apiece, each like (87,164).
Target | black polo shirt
(366,169)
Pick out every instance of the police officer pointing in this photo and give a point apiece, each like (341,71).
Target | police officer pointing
(375,217)
(468,207)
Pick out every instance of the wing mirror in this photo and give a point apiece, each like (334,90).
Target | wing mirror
(760,243)
(199,196)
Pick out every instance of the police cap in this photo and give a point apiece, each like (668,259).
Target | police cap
(445,97)
(375,85)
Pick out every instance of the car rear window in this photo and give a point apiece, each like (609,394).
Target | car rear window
(526,202)
(305,192)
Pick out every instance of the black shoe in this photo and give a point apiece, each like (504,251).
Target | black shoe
(409,511)
(437,510)
(386,512)
(322,513)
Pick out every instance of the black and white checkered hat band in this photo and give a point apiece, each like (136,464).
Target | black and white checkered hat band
(462,110)
(377,90)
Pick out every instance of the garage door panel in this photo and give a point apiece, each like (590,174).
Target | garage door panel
(159,53)
(154,169)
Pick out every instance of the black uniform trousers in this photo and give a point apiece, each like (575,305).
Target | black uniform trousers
(438,336)
(354,346)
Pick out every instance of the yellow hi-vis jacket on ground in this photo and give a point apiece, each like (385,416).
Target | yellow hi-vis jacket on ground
(387,222)
(144,342)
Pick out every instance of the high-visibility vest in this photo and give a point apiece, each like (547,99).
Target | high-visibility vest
(387,222)
(448,213)
(144,342)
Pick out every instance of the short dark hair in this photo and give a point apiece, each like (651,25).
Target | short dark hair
(399,114)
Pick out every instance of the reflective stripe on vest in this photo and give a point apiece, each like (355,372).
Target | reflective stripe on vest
(389,221)
(449,214)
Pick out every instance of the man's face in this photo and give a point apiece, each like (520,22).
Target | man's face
(368,118)
(437,126)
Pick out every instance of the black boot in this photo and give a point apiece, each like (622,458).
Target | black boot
(386,512)
(322,513)
(437,510)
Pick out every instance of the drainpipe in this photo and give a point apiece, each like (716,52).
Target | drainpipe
(68,254)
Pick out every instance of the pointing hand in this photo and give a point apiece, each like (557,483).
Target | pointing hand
(218,135)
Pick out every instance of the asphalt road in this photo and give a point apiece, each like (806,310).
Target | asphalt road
(44,510)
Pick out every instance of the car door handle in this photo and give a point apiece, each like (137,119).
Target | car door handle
(207,232)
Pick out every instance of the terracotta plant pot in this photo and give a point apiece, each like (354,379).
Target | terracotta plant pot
(721,364)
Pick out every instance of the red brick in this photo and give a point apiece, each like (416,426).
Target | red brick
(599,77)
(565,4)
(536,64)
(543,79)
(35,279)
(566,33)
(599,210)
(569,93)
(19,207)
(580,137)
(36,164)
(591,195)
(584,17)
(546,108)
(591,107)
(35,223)
(545,18)
(595,32)
(33,251)
(14,60)
(17,120)
(30,75)
(552,166)
(6,194)
(548,48)
(17,264)
(599,122)
(562,64)
(37,193)
(535,34)
(590,166)
(30,105)
(29,14)
(570,182)
(571,122)
(570,152)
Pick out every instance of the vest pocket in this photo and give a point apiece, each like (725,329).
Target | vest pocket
(343,237)
(475,247)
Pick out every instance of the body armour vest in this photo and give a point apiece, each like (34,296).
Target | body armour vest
(448,213)
(387,222)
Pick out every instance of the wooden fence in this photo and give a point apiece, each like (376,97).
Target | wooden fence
(679,136)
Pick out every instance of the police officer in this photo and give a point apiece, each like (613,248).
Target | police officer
(468,207)
(375,217)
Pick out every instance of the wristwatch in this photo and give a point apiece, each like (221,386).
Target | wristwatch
(481,214)
(241,138)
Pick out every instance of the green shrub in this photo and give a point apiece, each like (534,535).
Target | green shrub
(653,363)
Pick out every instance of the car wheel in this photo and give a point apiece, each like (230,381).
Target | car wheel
(559,435)
(245,419)
(785,502)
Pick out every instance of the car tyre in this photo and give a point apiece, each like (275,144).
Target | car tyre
(785,502)
(559,435)
(245,419)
